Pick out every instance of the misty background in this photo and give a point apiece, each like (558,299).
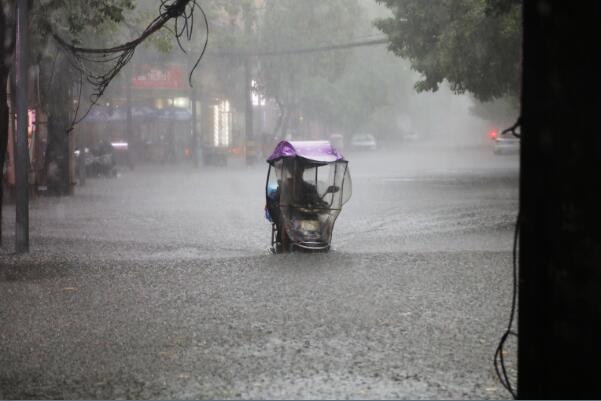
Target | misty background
(150,274)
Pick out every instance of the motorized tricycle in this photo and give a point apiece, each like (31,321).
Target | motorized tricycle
(308,182)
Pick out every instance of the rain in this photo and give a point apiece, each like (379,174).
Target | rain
(159,264)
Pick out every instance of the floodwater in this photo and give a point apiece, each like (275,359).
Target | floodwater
(158,284)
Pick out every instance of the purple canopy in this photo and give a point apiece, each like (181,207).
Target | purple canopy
(319,151)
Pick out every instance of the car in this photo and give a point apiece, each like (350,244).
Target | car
(363,142)
(506,144)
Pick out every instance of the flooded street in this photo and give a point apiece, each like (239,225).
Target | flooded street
(159,284)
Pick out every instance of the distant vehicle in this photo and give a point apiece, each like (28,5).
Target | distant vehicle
(493,134)
(506,144)
(363,142)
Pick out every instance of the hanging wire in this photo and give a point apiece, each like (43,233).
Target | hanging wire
(89,62)
(204,46)
(514,128)
(499,359)
(73,121)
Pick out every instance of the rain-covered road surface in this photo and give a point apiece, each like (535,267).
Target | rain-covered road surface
(158,284)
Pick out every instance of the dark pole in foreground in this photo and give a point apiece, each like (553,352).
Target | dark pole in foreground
(559,346)
(21,148)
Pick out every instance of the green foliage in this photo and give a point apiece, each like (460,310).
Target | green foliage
(82,22)
(74,19)
(501,112)
(290,24)
(372,81)
(473,45)
(89,23)
(306,82)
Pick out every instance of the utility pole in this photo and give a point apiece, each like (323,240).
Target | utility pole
(248,120)
(559,321)
(21,145)
(129,120)
(194,141)
(250,144)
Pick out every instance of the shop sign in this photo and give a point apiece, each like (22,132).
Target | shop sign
(150,77)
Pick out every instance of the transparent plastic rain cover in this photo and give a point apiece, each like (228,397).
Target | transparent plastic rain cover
(311,196)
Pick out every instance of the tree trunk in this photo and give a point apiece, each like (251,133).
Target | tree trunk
(58,107)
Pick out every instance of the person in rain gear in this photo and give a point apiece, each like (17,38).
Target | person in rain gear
(304,195)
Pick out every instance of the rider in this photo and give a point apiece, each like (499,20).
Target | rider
(304,194)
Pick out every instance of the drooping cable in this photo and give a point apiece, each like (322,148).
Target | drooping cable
(90,62)
(499,357)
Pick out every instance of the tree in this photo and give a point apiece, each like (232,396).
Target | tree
(346,90)
(57,30)
(69,19)
(500,112)
(371,92)
(233,31)
(303,81)
(73,22)
(473,44)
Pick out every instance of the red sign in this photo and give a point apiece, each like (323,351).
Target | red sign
(149,77)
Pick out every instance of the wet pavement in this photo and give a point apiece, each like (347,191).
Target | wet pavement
(158,284)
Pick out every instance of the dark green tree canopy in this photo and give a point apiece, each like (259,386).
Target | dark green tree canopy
(293,24)
(473,44)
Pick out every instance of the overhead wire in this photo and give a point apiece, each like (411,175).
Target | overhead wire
(204,46)
(347,45)
(303,50)
(87,60)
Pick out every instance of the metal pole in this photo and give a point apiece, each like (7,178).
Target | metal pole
(21,147)
(250,140)
(248,112)
(194,141)
(129,120)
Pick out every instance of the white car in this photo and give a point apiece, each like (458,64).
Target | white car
(364,142)
(506,144)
